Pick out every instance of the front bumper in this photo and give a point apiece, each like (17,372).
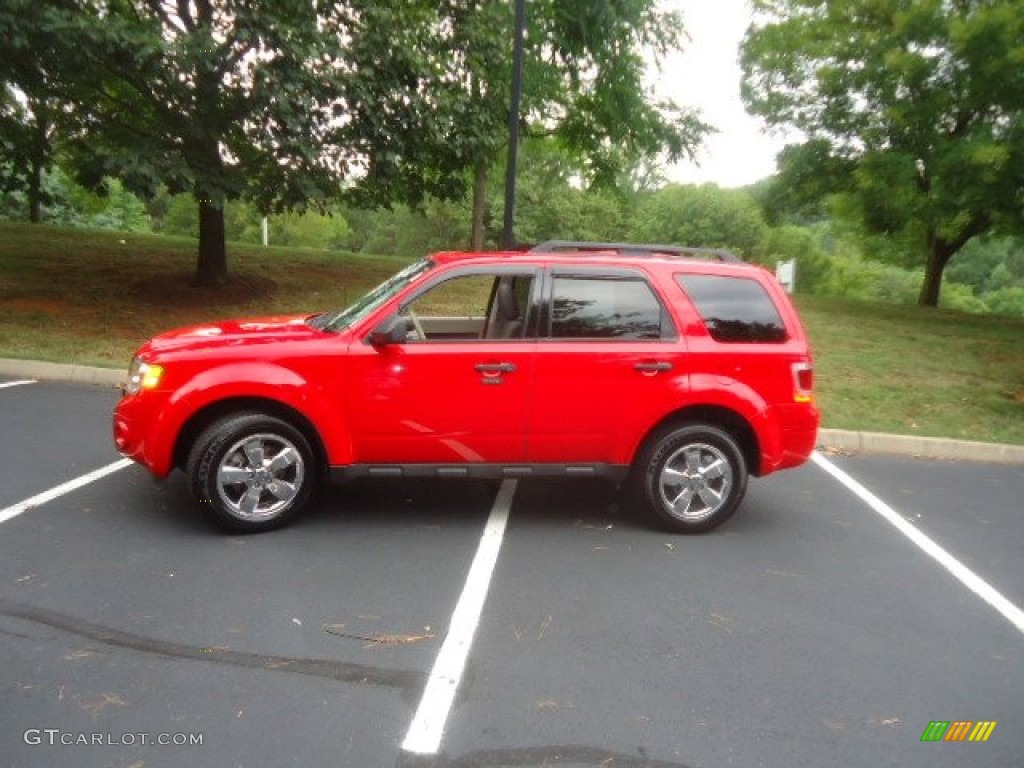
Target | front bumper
(140,433)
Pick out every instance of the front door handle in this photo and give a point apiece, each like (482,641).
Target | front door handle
(659,366)
(492,368)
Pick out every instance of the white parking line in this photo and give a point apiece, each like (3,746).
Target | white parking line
(965,575)
(6,384)
(424,735)
(41,498)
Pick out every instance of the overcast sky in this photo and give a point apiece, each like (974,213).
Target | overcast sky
(706,75)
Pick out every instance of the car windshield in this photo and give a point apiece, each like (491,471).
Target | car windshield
(343,318)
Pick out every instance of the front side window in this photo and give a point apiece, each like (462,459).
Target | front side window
(472,306)
(465,296)
(734,309)
(606,308)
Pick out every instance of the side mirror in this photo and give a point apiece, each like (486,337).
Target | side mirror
(394,330)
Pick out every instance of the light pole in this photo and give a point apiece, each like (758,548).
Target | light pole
(508,238)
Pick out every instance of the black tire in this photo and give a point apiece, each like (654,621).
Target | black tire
(251,472)
(690,477)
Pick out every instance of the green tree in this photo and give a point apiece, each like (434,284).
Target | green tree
(990,264)
(921,102)
(1007,301)
(802,191)
(803,244)
(279,103)
(703,216)
(28,115)
(583,85)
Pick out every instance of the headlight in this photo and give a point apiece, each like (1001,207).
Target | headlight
(141,376)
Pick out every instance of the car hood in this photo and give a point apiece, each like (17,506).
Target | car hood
(232,333)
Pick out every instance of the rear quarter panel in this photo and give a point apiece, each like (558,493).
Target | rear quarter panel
(753,379)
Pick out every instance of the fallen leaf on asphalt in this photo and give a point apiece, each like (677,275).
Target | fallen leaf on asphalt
(384,639)
(378,638)
(95,706)
(771,572)
(550,705)
(79,655)
(720,621)
(544,628)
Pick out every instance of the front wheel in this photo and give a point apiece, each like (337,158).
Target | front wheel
(691,477)
(251,472)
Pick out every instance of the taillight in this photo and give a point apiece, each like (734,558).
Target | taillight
(803,382)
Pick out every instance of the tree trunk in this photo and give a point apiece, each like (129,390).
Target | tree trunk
(40,148)
(212,266)
(476,238)
(939,254)
(35,193)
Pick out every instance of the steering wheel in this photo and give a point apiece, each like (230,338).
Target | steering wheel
(416,324)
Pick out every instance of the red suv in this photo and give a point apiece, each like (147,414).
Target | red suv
(677,371)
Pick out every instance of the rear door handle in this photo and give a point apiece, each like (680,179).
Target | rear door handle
(659,366)
(493,368)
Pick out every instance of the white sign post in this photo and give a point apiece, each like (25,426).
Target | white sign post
(785,273)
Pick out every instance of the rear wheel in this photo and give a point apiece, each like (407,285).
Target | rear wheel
(251,472)
(691,477)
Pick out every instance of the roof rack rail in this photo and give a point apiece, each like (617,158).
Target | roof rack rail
(634,249)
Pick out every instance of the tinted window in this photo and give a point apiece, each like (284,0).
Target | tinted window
(604,308)
(734,309)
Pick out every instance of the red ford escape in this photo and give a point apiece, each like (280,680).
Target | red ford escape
(677,371)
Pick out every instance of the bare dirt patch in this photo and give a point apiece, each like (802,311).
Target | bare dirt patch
(33,304)
(176,289)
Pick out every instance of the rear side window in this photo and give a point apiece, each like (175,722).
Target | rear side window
(734,309)
(605,308)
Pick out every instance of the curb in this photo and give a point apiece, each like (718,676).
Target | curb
(920,447)
(840,440)
(79,374)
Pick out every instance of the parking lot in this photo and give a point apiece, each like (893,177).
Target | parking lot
(807,631)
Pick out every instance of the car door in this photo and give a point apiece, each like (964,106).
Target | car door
(609,364)
(458,388)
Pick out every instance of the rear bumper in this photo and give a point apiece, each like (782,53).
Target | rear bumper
(795,433)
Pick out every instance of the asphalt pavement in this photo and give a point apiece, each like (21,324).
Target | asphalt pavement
(807,631)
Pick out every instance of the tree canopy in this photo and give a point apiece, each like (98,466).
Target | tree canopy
(297,104)
(914,109)
(703,216)
(288,104)
(584,86)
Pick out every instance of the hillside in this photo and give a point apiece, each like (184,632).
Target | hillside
(91,297)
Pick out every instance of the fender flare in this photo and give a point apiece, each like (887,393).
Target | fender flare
(256,380)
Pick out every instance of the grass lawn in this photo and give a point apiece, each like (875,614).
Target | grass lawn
(91,297)
(887,368)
